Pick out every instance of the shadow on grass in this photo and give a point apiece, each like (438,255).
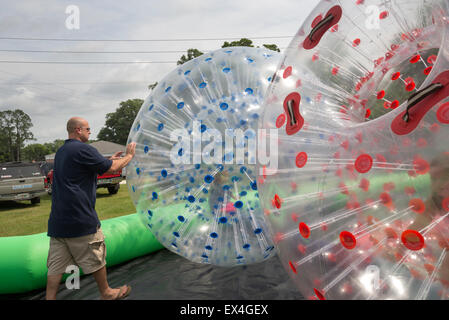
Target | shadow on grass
(14,205)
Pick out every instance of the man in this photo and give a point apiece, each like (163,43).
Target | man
(73,227)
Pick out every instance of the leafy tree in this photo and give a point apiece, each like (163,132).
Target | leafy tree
(15,127)
(35,151)
(244,42)
(191,54)
(152,86)
(52,147)
(273,47)
(118,123)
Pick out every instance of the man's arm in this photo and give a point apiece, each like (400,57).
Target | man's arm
(119,164)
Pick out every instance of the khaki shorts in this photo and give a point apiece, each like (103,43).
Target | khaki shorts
(87,252)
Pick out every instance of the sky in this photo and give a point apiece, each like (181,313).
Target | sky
(51,93)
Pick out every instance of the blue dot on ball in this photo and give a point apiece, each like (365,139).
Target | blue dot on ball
(208,247)
(138,171)
(202,85)
(249,91)
(146,149)
(258,231)
(187,72)
(208,178)
(168,89)
(176,234)
(203,128)
(254,185)
(214,235)
(224,106)
(160,127)
(223,220)
(180,105)
(226,70)
(181,218)
(238,204)
(180,152)
(191,199)
(154,195)
(246,246)
(164,173)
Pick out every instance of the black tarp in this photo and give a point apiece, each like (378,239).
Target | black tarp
(164,275)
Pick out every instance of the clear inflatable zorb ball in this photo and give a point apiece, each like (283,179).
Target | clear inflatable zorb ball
(193,178)
(359,204)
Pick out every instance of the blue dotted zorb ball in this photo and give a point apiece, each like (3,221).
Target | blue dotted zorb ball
(193,178)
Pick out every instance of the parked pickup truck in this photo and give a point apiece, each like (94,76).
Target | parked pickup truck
(110,181)
(22,181)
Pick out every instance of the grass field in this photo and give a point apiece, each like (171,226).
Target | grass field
(18,218)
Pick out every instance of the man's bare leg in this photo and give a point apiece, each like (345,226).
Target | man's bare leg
(107,293)
(53,282)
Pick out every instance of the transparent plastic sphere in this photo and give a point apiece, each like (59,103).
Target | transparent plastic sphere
(358,205)
(193,178)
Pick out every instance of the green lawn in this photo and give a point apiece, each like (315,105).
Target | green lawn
(18,218)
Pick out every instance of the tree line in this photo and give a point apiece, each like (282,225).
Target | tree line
(15,125)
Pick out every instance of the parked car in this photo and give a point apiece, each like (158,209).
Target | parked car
(110,181)
(22,181)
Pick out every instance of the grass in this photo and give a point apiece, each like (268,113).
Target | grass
(19,218)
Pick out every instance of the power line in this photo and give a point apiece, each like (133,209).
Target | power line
(63,51)
(89,52)
(69,83)
(140,40)
(84,62)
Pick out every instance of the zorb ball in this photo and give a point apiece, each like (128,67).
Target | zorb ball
(193,179)
(358,205)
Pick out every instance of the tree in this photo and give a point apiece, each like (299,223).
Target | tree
(52,147)
(244,42)
(152,86)
(273,47)
(35,151)
(118,123)
(15,128)
(191,54)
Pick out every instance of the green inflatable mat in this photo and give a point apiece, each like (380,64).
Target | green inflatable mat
(23,259)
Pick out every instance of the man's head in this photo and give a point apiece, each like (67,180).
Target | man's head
(78,129)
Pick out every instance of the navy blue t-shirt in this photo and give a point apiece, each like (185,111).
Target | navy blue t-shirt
(74,190)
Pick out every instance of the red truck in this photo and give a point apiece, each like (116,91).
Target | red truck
(110,181)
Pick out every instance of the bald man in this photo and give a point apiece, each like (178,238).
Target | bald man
(74,229)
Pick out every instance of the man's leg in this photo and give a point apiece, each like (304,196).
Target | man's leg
(107,293)
(53,282)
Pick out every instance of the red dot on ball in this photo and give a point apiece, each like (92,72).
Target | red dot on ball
(304,230)
(301,159)
(364,163)
(412,240)
(348,240)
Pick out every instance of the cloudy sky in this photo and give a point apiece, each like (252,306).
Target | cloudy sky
(32,31)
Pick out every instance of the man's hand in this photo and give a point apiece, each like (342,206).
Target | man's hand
(120,163)
(116,155)
(131,149)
